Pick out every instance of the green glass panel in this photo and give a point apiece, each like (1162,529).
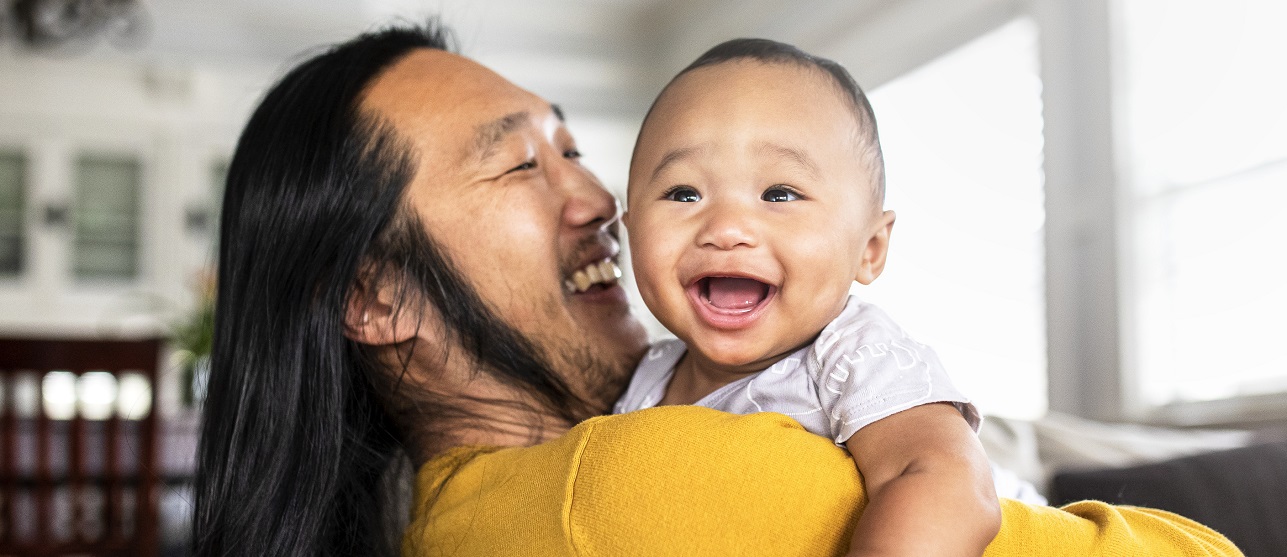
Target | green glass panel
(13,181)
(106,219)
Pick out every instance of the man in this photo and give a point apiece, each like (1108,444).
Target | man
(405,263)
(500,188)
(413,260)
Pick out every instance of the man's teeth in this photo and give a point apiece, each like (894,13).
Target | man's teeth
(603,272)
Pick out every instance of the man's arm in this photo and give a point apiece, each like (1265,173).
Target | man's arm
(929,484)
(687,480)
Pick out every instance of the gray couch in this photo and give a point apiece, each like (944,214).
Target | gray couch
(1232,481)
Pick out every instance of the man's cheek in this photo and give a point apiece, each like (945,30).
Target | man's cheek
(534,305)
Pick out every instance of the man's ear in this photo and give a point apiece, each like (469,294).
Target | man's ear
(877,247)
(372,318)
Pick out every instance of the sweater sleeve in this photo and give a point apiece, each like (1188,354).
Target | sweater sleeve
(689,481)
(1097,528)
(723,484)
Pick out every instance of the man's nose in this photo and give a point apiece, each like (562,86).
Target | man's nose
(728,225)
(588,202)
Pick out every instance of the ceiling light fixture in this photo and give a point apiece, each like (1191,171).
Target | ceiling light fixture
(49,24)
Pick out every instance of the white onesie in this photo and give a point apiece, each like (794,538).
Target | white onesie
(862,367)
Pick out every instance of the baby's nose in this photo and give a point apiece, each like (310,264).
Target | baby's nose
(728,227)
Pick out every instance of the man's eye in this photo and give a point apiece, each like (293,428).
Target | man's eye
(571,154)
(779,194)
(682,194)
(527,165)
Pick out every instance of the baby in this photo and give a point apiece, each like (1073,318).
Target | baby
(755,201)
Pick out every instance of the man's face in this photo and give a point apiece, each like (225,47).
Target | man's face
(500,188)
(750,211)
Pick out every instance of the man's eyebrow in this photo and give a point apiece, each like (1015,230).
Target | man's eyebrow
(797,156)
(674,156)
(558,112)
(487,135)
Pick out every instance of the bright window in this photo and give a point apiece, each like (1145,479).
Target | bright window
(1204,145)
(963,147)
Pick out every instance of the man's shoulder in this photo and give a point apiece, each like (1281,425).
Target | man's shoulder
(676,466)
(680,426)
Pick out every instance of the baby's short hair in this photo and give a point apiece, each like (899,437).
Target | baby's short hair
(774,52)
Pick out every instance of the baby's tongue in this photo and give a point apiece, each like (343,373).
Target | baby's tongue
(735,293)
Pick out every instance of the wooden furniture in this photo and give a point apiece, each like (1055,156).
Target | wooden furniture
(74,483)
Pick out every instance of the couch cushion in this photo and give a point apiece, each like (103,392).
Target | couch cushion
(1241,493)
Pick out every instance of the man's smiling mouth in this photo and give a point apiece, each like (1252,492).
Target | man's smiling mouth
(603,273)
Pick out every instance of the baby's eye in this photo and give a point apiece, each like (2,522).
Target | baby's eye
(779,194)
(682,194)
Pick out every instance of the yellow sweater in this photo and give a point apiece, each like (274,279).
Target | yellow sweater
(684,480)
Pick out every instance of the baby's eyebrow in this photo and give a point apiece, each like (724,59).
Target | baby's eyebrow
(797,156)
(674,156)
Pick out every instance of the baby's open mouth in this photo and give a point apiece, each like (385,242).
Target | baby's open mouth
(730,303)
(732,294)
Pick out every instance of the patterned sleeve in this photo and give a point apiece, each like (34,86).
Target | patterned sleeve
(866,368)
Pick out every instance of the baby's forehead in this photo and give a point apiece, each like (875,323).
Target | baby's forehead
(736,97)
(779,113)
(720,82)
(745,95)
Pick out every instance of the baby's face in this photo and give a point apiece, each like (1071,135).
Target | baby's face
(750,212)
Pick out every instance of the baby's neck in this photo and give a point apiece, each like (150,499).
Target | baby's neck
(695,377)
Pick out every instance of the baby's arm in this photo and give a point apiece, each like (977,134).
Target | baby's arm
(929,486)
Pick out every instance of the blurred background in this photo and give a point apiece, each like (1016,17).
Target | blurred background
(1088,192)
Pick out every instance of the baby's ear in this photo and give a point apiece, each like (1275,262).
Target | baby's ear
(877,247)
(372,317)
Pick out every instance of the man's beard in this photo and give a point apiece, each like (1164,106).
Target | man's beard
(588,384)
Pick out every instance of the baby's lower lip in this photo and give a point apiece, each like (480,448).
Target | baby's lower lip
(731,318)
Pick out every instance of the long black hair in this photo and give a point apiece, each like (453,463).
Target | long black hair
(294,440)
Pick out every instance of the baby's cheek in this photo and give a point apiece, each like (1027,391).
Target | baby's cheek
(822,252)
(648,273)
(642,259)
(653,253)
(823,271)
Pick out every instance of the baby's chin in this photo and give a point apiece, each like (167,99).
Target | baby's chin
(747,357)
